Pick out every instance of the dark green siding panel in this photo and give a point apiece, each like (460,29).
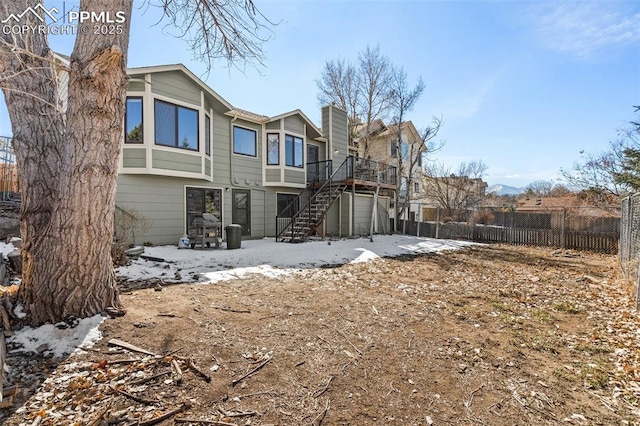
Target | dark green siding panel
(176,85)
(134,157)
(294,124)
(294,176)
(169,160)
(273,125)
(273,175)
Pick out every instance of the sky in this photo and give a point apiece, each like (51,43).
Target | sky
(524,86)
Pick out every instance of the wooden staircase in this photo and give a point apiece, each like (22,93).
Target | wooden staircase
(302,217)
(306,222)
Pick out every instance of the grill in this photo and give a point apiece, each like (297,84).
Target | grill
(207,231)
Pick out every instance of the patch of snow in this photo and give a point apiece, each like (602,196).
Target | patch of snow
(271,257)
(59,341)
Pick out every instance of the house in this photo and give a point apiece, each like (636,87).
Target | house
(187,151)
(379,142)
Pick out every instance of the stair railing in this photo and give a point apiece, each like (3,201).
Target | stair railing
(304,201)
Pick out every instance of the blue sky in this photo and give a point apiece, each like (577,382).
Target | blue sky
(523,86)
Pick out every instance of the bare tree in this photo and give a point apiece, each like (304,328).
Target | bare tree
(361,89)
(455,190)
(374,71)
(338,85)
(606,177)
(408,153)
(67,147)
(594,176)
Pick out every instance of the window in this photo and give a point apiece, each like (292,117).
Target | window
(203,200)
(244,141)
(176,126)
(293,151)
(416,187)
(287,205)
(419,159)
(273,149)
(133,121)
(207,135)
(404,149)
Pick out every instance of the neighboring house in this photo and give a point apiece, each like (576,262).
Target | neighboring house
(382,146)
(453,194)
(187,151)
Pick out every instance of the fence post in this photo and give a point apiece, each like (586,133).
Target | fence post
(563,235)
(438,222)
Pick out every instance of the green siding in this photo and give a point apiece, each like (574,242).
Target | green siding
(176,85)
(207,167)
(273,175)
(346,212)
(294,176)
(248,170)
(136,86)
(134,157)
(221,149)
(273,125)
(294,124)
(170,160)
(336,132)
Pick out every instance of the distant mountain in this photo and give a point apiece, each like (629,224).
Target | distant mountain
(501,189)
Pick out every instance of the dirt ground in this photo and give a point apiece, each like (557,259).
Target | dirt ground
(490,335)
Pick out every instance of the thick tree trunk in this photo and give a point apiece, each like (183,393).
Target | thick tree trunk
(68,166)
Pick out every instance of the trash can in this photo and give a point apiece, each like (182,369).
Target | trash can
(234,236)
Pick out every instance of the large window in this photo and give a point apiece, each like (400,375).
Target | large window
(203,200)
(176,126)
(244,141)
(293,151)
(404,149)
(207,135)
(133,121)
(273,149)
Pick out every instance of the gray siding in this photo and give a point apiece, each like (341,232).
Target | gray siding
(247,171)
(273,175)
(346,213)
(207,167)
(221,149)
(170,160)
(294,124)
(160,200)
(134,157)
(337,132)
(273,125)
(362,211)
(136,86)
(294,176)
(176,85)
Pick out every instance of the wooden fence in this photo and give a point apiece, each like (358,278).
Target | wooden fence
(599,234)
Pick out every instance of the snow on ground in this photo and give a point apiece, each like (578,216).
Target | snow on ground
(265,257)
(60,339)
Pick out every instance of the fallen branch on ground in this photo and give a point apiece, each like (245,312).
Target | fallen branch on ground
(244,376)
